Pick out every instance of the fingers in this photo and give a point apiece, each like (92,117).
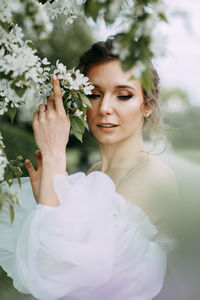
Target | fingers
(38,159)
(57,95)
(42,114)
(29,167)
(50,104)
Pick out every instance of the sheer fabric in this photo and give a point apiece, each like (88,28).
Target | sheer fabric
(94,245)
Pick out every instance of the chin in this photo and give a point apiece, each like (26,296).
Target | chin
(107,139)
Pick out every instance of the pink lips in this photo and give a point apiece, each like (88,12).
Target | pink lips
(101,123)
(107,129)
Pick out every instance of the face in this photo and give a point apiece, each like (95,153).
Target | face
(116,111)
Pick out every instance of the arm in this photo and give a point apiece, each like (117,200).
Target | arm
(50,167)
(51,131)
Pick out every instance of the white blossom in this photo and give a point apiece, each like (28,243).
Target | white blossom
(138,69)
(71,9)
(146,27)
(79,82)
(60,69)
(118,49)
(45,61)
(78,113)
(6,11)
(3,159)
(158,45)
(1,141)
(40,26)
(114,8)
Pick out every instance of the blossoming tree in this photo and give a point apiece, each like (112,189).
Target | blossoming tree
(23,72)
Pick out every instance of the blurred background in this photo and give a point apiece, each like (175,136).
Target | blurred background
(179,71)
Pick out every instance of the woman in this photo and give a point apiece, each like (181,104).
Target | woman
(89,237)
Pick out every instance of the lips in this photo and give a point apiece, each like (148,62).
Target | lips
(107,125)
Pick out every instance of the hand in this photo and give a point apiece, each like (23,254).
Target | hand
(35,175)
(51,128)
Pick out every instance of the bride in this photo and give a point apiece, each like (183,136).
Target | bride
(102,235)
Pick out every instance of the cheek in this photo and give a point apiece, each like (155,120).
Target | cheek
(132,112)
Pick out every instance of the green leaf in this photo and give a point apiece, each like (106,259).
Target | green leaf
(92,8)
(163,17)
(19,91)
(77,127)
(12,213)
(78,135)
(31,45)
(84,99)
(76,124)
(85,124)
(4,25)
(11,113)
(52,68)
(127,63)
(147,81)
(19,181)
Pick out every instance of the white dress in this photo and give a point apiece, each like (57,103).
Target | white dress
(95,245)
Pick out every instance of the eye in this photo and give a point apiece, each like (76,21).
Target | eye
(93,96)
(125,97)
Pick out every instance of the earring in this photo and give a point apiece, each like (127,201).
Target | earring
(147,115)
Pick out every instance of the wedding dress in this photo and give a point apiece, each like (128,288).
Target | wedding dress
(95,245)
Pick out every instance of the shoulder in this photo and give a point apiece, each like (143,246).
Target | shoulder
(160,171)
(95,167)
(163,182)
(155,180)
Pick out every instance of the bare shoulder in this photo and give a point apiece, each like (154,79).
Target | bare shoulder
(160,171)
(95,167)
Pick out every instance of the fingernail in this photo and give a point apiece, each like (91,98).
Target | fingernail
(27,161)
(54,76)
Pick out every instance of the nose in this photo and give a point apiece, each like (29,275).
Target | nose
(106,107)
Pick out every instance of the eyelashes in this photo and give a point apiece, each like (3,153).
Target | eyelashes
(124,97)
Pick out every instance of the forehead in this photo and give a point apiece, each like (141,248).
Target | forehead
(111,74)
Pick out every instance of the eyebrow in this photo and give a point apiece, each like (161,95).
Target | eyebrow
(118,86)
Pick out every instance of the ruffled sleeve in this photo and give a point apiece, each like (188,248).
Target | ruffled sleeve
(69,247)
(94,245)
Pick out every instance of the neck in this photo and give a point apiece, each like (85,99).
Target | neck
(121,156)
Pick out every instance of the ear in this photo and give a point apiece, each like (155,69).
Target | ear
(146,110)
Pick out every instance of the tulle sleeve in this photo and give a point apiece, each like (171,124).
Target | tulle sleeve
(94,245)
(69,247)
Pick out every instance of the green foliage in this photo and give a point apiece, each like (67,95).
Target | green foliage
(18,142)
(11,113)
(66,43)
(184,128)
(7,290)
(167,94)
(137,40)
(77,126)
(4,25)
(8,200)
(92,8)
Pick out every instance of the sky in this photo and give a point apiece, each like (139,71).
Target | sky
(180,67)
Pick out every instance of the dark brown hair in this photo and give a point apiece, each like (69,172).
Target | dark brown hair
(102,52)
